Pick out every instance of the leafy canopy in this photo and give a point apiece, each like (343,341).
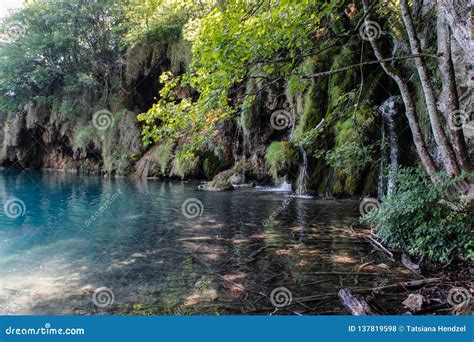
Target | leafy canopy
(229,42)
(72,45)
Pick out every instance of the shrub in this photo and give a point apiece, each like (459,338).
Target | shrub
(423,218)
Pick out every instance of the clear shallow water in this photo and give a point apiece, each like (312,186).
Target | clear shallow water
(155,260)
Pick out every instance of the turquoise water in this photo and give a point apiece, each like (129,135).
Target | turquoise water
(69,236)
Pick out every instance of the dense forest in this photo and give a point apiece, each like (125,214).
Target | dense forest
(334,99)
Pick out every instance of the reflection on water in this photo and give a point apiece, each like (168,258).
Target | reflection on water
(130,236)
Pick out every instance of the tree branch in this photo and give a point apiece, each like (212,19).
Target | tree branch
(330,72)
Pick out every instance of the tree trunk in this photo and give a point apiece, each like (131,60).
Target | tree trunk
(449,160)
(459,25)
(449,91)
(410,112)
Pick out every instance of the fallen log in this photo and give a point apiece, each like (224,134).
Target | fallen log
(356,306)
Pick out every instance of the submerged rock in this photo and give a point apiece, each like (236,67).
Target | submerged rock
(414,302)
(226,180)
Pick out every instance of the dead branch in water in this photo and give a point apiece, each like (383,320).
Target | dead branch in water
(380,247)
(356,306)
(401,285)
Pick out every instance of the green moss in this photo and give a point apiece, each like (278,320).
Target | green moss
(340,83)
(353,130)
(163,154)
(371,181)
(120,143)
(338,188)
(313,111)
(84,135)
(249,116)
(211,164)
(279,157)
(185,164)
(350,183)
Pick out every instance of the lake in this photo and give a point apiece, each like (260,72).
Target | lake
(91,245)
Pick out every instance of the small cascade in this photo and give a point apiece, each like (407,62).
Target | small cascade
(245,144)
(284,186)
(394,150)
(383,161)
(389,109)
(302,181)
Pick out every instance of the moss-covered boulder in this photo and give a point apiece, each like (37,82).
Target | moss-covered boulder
(225,180)
(221,182)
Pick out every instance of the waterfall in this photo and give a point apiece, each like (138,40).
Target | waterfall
(383,161)
(393,141)
(301,188)
(244,146)
(389,109)
(284,186)
(302,181)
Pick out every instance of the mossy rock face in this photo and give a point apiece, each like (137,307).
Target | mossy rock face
(221,182)
(314,109)
(185,167)
(162,156)
(370,183)
(211,164)
(280,156)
